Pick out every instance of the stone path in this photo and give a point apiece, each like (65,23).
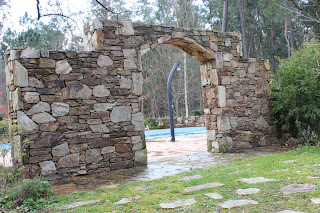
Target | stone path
(315,200)
(127,200)
(228,204)
(178,204)
(248,191)
(255,180)
(296,188)
(215,196)
(193,177)
(236,203)
(78,204)
(204,186)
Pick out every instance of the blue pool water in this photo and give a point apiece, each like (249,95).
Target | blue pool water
(160,133)
(4,146)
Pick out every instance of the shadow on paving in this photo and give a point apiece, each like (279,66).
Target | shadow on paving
(159,168)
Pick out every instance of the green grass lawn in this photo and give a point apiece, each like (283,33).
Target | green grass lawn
(302,163)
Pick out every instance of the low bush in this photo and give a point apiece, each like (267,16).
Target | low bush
(29,194)
(296,105)
(197,112)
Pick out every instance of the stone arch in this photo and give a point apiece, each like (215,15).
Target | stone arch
(85,108)
(235,90)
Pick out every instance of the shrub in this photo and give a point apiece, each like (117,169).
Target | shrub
(197,112)
(296,105)
(29,194)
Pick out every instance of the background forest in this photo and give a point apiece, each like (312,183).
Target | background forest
(274,28)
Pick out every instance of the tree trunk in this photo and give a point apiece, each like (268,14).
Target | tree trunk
(243,28)
(185,83)
(286,31)
(273,60)
(225,16)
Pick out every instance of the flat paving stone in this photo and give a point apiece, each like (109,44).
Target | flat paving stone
(127,200)
(296,188)
(204,186)
(215,196)
(247,191)
(235,173)
(315,200)
(289,211)
(255,180)
(289,161)
(193,177)
(78,204)
(177,204)
(236,203)
(312,177)
(144,187)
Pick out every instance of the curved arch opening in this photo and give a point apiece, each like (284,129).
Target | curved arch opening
(156,66)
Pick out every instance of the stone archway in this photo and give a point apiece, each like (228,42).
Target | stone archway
(83,109)
(235,90)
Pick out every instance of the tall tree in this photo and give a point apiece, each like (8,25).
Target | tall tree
(243,28)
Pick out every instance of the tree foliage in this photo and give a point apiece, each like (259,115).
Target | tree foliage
(296,105)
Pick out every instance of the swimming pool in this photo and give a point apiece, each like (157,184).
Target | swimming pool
(160,133)
(5,146)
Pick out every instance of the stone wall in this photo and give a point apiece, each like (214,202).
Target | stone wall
(82,117)
(191,121)
(82,109)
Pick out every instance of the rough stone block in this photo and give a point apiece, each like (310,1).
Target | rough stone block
(20,75)
(63,67)
(43,117)
(140,158)
(60,109)
(104,61)
(100,91)
(30,53)
(137,80)
(93,156)
(137,121)
(77,92)
(121,114)
(47,63)
(47,168)
(69,161)
(60,150)
(47,140)
(28,125)
(33,82)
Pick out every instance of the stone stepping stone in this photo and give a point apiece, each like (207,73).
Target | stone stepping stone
(193,177)
(236,203)
(204,186)
(78,204)
(215,196)
(289,211)
(312,177)
(296,188)
(235,173)
(315,200)
(289,161)
(255,180)
(177,204)
(247,191)
(127,200)
(144,187)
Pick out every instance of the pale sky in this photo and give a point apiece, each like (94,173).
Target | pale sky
(19,7)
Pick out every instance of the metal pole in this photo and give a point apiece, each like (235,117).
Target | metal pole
(174,68)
